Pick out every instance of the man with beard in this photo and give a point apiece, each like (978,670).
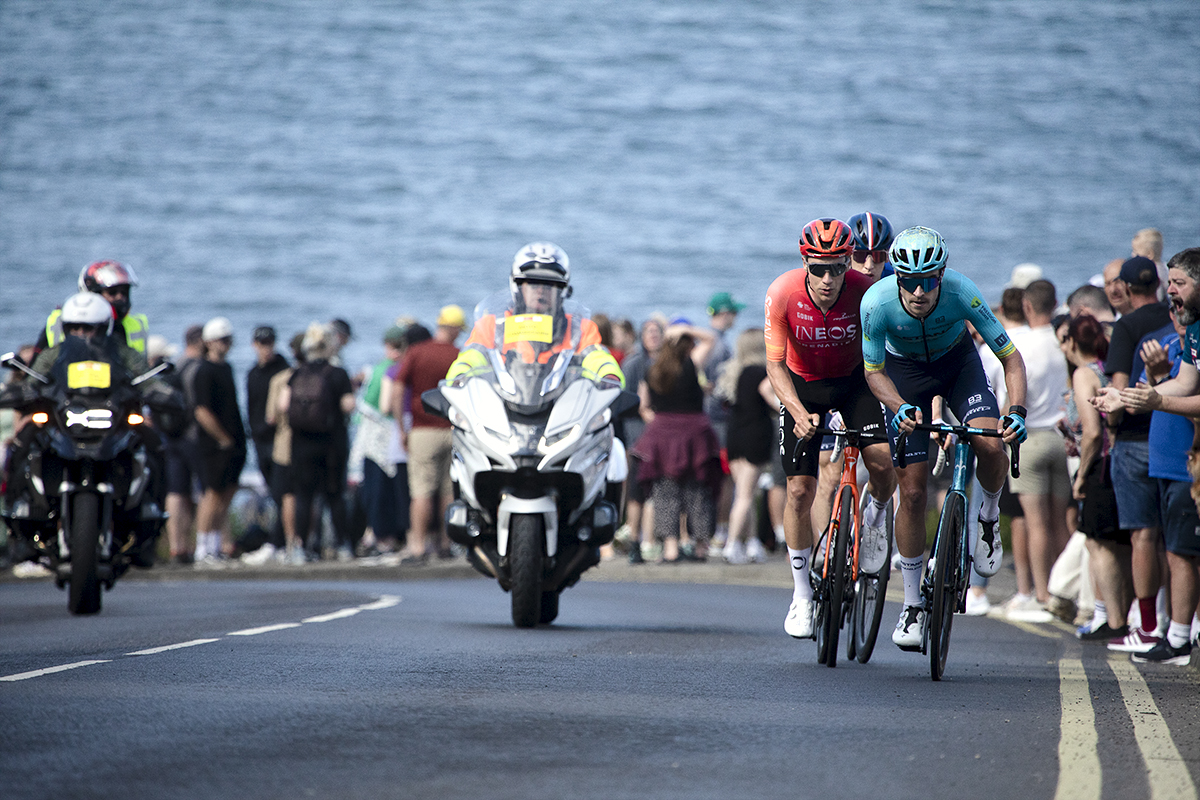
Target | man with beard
(1179,395)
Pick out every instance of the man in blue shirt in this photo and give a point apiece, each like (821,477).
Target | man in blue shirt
(1179,395)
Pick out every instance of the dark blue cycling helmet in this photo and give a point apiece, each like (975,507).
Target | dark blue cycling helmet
(871,231)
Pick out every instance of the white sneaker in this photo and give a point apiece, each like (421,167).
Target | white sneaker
(799,621)
(907,635)
(872,550)
(734,552)
(989,550)
(30,569)
(755,551)
(978,605)
(1022,608)
(259,557)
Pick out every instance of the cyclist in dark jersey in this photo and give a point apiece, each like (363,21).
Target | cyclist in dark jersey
(814,362)
(915,321)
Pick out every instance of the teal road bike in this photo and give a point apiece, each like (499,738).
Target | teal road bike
(948,570)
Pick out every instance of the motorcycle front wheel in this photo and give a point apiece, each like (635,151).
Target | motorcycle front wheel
(525,566)
(84,597)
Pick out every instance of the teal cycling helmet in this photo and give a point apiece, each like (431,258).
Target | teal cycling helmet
(918,250)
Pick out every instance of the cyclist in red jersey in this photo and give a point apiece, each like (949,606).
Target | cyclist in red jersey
(814,362)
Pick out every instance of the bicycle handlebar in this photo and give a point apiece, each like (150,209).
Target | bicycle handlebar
(961,430)
(853,437)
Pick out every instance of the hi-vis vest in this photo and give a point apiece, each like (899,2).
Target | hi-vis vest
(136,326)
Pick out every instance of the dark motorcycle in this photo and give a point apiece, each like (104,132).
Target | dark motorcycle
(84,487)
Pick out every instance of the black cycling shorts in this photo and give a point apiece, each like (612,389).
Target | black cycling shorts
(957,376)
(850,395)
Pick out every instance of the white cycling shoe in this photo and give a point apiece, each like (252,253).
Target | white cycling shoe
(872,550)
(989,550)
(907,635)
(799,621)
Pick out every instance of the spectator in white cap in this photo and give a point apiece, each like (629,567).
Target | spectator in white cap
(221,440)
(1023,275)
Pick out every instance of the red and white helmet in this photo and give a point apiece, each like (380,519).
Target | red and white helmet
(105,275)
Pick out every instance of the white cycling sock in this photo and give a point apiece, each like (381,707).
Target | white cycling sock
(990,509)
(910,571)
(800,560)
(874,512)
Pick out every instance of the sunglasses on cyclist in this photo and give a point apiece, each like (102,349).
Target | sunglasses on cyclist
(861,256)
(910,284)
(835,269)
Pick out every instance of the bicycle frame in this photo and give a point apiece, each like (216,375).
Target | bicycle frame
(958,486)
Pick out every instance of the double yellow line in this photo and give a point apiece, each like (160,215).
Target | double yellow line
(1080,775)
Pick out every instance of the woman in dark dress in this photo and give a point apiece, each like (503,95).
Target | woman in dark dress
(679,455)
(749,443)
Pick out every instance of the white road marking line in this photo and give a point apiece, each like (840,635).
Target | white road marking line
(386,601)
(37,673)
(1166,770)
(264,629)
(154,650)
(1079,773)
(345,612)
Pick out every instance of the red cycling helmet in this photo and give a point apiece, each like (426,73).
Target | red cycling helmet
(826,238)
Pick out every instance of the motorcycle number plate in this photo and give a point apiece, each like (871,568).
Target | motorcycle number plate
(529,328)
(89,375)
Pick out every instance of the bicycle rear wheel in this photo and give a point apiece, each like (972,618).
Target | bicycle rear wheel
(869,595)
(832,606)
(945,583)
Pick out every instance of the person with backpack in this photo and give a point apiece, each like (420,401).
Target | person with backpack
(318,398)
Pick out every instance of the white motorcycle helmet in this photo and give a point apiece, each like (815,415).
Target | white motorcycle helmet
(541,262)
(89,309)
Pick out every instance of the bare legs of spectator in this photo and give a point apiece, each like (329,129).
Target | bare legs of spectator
(1114,585)
(741,514)
(212,516)
(181,513)
(1185,587)
(1046,536)
(424,536)
(1147,574)
(1020,554)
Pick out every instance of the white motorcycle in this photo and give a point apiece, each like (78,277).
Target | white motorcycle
(538,473)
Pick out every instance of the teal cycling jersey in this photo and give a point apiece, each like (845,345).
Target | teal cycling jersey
(889,329)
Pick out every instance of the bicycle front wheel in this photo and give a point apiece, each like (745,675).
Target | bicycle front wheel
(834,596)
(869,595)
(945,583)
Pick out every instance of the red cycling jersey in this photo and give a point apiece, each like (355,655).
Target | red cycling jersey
(815,344)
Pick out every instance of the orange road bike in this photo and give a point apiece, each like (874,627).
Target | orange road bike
(862,605)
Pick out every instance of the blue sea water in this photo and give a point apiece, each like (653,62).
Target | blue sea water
(279,162)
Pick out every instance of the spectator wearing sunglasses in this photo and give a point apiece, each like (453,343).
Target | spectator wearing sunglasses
(916,347)
(814,363)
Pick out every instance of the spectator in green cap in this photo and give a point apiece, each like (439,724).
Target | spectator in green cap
(722,313)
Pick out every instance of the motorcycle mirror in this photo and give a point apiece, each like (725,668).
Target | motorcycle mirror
(436,403)
(11,361)
(162,369)
(625,404)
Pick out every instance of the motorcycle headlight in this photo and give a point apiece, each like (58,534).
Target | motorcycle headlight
(599,421)
(558,437)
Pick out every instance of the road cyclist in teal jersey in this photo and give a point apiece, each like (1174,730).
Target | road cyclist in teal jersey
(916,347)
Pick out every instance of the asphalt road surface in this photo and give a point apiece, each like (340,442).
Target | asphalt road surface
(650,685)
